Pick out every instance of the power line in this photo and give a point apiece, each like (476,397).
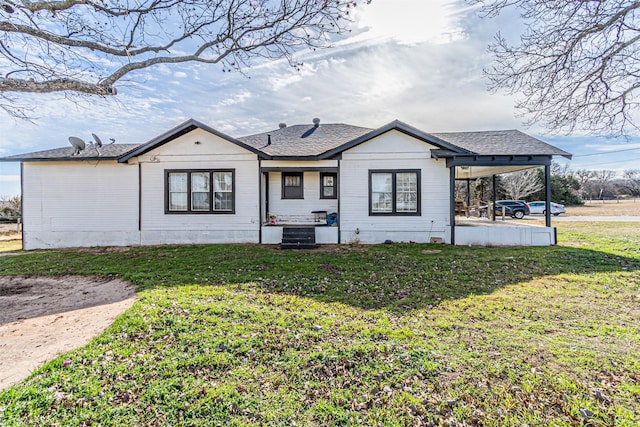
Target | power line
(610,163)
(606,152)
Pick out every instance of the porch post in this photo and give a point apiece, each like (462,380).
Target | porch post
(468,192)
(547,202)
(452,203)
(265,177)
(493,198)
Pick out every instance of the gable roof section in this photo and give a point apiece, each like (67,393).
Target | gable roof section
(401,127)
(177,132)
(327,140)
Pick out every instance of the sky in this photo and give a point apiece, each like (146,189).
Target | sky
(413,60)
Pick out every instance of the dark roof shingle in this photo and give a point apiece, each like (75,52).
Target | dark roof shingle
(500,142)
(108,152)
(311,141)
(303,140)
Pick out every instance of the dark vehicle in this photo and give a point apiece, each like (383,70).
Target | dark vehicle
(513,208)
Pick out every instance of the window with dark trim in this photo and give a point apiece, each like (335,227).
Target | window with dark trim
(292,185)
(328,185)
(394,192)
(200,191)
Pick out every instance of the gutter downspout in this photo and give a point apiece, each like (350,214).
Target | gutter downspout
(338,195)
(260,178)
(140,202)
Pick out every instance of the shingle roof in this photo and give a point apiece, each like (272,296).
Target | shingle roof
(500,142)
(318,141)
(304,140)
(108,152)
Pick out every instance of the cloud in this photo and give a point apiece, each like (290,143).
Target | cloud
(410,21)
(238,98)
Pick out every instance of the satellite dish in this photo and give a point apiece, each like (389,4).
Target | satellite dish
(77,144)
(98,143)
(97,140)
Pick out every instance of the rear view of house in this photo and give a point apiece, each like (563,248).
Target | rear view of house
(193,184)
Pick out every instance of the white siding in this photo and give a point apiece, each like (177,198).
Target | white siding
(69,204)
(505,236)
(75,203)
(393,150)
(210,152)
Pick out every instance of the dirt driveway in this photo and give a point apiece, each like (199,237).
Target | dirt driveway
(42,317)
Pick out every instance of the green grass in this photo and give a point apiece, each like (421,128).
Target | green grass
(390,335)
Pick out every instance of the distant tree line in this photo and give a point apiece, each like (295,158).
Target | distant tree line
(567,186)
(10,208)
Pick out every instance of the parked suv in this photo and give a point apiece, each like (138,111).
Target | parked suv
(514,208)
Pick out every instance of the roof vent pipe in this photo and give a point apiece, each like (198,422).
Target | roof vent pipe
(282,125)
(316,122)
(268,142)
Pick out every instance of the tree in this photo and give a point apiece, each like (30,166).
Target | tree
(565,186)
(601,180)
(632,181)
(584,175)
(87,46)
(482,189)
(10,207)
(576,65)
(518,185)
(565,190)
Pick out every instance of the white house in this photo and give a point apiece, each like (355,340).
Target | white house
(194,184)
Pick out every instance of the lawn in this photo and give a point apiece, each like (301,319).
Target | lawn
(389,335)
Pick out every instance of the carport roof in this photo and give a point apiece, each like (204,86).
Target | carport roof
(501,142)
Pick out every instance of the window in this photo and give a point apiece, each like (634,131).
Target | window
(328,185)
(292,185)
(394,192)
(200,191)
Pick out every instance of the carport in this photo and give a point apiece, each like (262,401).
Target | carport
(487,154)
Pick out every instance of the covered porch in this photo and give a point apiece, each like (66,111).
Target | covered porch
(304,196)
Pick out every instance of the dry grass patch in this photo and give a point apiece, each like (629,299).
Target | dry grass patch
(606,208)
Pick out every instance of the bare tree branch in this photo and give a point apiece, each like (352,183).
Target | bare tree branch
(518,185)
(632,181)
(577,66)
(87,46)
